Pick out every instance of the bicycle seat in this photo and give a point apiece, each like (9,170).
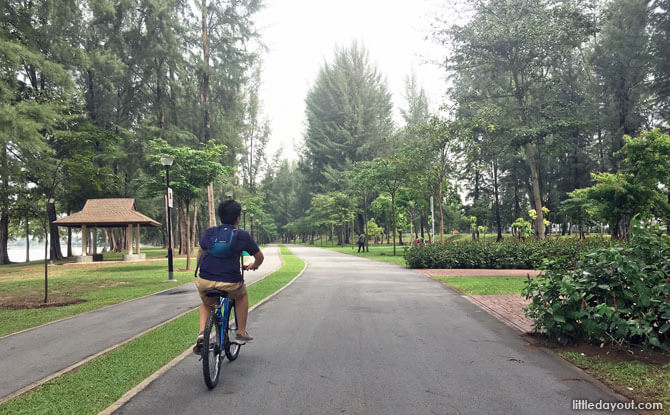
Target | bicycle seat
(216,293)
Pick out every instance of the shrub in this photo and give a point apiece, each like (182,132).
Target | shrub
(507,254)
(616,294)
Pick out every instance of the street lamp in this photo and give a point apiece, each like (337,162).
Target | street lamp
(167,162)
(244,217)
(229,194)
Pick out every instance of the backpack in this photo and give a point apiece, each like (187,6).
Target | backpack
(221,244)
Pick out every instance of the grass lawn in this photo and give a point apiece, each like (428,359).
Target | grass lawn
(98,285)
(643,382)
(101,382)
(485,285)
(284,250)
(378,252)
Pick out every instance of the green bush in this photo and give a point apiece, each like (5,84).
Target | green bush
(616,294)
(507,254)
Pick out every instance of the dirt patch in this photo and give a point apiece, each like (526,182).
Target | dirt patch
(31,303)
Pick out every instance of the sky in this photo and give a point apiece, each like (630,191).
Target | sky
(301,35)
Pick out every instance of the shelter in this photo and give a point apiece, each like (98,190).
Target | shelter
(108,213)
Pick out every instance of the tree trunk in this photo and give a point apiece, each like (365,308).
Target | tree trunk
(393,219)
(181,222)
(56,253)
(46,267)
(439,205)
(495,190)
(210,205)
(205,75)
(421,218)
(535,181)
(195,223)
(188,237)
(28,240)
(4,210)
(620,231)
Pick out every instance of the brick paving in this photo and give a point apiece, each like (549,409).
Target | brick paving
(508,308)
(479,272)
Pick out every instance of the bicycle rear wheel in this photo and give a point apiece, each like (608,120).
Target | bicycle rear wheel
(211,351)
(232,349)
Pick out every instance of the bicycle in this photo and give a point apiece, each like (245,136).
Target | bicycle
(221,326)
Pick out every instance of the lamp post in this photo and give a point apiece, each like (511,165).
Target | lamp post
(259,232)
(229,194)
(167,162)
(244,217)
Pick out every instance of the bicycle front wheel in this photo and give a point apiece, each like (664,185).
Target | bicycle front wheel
(232,349)
(211,351)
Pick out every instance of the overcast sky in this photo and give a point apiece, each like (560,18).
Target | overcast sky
(302,34)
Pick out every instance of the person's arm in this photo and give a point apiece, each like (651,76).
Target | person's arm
(258,260)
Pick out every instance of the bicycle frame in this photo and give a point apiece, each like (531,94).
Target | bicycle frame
(224,317)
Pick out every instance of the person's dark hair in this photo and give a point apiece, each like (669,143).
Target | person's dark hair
(229,211)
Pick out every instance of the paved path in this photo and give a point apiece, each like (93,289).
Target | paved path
(356,336)
(32,355)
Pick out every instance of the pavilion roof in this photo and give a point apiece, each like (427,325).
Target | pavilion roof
(107,213)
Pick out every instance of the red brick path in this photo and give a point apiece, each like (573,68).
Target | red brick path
(508,308)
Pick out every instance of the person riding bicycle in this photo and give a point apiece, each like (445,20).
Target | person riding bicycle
(224,274)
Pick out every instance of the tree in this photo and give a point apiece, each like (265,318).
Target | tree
(390,173)
(622,61)
(192,170)
(636,189)
(519,44)
(348,114)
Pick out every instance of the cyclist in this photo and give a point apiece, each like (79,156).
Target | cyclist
(224,273)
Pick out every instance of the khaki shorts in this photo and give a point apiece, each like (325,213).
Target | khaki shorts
(236,290)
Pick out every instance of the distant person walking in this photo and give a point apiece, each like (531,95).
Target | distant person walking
(361,242)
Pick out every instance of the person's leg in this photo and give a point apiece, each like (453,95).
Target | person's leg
(242,306)
(204,313)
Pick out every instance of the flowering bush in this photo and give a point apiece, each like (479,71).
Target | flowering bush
(507,254)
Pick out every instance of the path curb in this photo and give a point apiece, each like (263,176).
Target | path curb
(146,382)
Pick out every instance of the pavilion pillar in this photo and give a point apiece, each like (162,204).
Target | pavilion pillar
(137,240)
(130,239)
(95,240)
(84,241)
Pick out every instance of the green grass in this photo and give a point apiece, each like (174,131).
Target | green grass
(99,285)
(377,252)
(101,382)
(649,383)
(485,285)
(284,250)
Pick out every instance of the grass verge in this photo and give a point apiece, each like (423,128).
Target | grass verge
(101,382)
(640,381)
(377,252)
(284,250)
(485,285)
(98,285)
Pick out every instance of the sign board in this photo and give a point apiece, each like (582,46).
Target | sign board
(170,197)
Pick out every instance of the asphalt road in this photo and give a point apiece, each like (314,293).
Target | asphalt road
(355,336)
(32,355)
